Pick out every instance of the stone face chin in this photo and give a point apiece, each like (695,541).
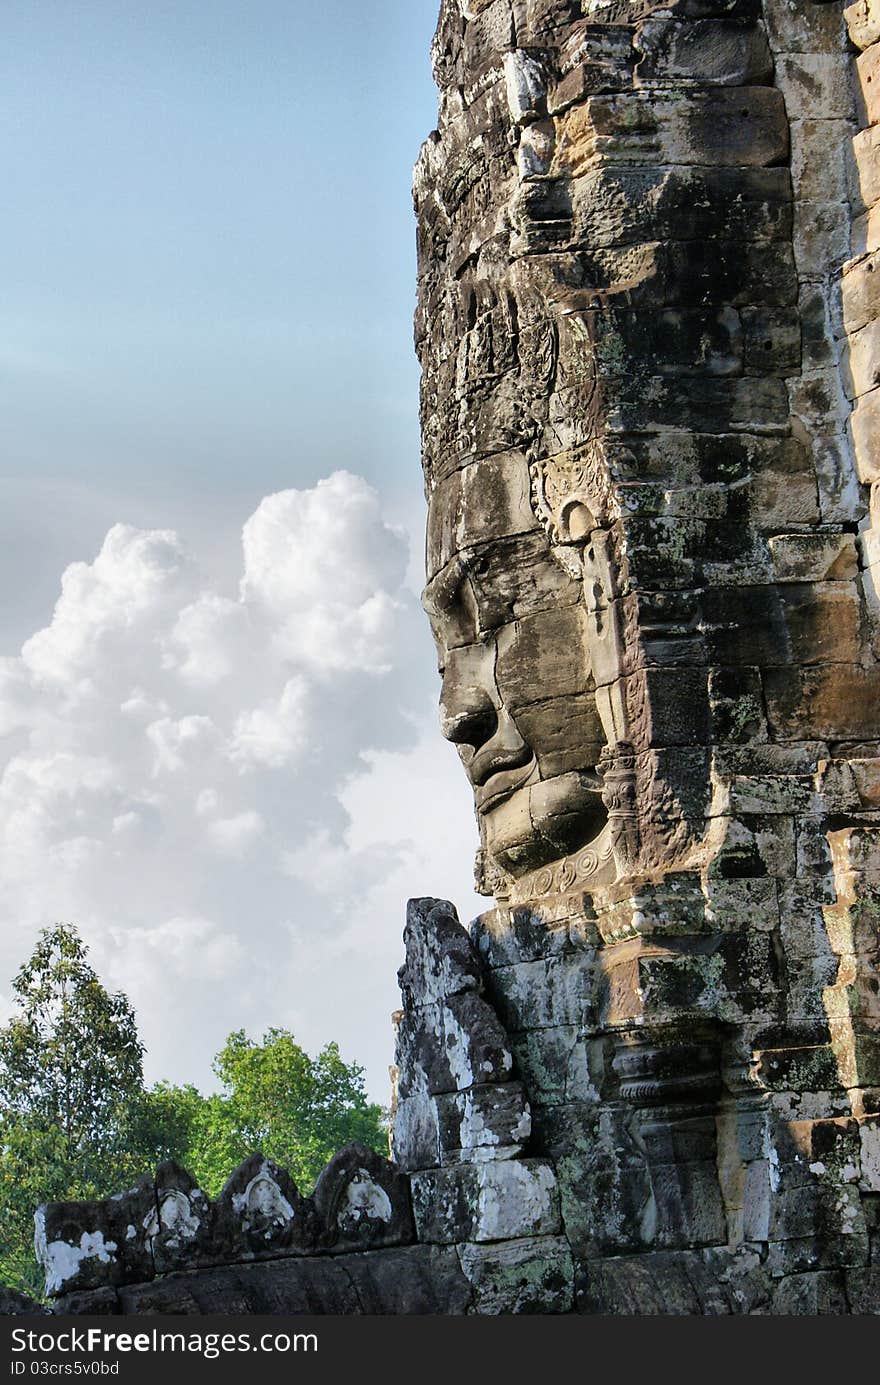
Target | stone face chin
(543,821)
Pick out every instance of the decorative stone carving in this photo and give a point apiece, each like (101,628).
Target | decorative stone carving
(363,1202)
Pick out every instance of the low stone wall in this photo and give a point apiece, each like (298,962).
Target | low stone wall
(467,1220)
(572,1158)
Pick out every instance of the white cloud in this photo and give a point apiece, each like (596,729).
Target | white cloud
(324,572)
(234,796)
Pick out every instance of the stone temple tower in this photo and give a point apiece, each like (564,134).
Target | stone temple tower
(647,1078)
(650,372)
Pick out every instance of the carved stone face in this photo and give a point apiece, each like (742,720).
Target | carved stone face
(517,697)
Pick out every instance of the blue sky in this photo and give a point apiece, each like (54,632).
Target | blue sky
(218,743)
(208,256)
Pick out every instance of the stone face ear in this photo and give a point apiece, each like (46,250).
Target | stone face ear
(571,494)
(363,1202)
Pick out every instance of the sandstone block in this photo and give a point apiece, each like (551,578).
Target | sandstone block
(865,236)
(496,1201)
(622,205)
(569,730)
(555,642)
(545,993)
(800,1069)
(867,81)
(91,1245)
(805,1295)
(593,58)
(814,1211)
(771,341)
(737,903)
(816,85)
(704,405)
(863,361)
(821,327)
(720,127)
(450,1047)
(490,498)
(504,937)
(830,701)
(806,28)
(558,1064)
(869,1161)
(820,156)
(674,1283)
(818,401)
(860,292)
(784,490)
(840,496)
(866,173)
(420,1058)
(440,958)
(415,1136)
(524,1276)
(416,1279)
(809,1253)
(821,234)
(864,431)
(477,1047)
(813,557)
(824,622)
(689,1208)
(863,22)
(491,1122)
(708,51)
(863,1289)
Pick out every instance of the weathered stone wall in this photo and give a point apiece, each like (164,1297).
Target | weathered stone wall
(859,309)
(633,226)
(468,1221)
(632,1185)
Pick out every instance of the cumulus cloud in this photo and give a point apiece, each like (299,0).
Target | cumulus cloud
(233,793)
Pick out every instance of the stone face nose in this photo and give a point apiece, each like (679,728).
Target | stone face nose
(468,697)
(474,718)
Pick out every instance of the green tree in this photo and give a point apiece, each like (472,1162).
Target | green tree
(70,1067)
(76,1121)
(295,1109)
(161,1124)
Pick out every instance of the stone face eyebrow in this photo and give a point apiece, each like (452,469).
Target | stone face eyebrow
(442,594)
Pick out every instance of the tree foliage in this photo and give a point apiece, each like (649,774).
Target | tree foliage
(297,1110)
(77,1122)
(70,1065)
